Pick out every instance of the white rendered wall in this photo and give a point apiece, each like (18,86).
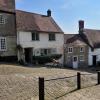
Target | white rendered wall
(25,40)
(91,53)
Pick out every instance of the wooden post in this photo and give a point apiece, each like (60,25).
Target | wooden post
(41,88)
(98,77)
(78,80)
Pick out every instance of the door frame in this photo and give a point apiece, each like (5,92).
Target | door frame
(75,61)
(30,54)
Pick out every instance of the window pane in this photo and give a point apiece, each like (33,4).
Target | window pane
(33,36)
(45,51)
(37,36)
(2,19)
(70,49)
(81,49)
(2,44)
(51,36)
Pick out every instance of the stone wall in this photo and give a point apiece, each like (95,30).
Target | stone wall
(11,47)
(76,52)
(8,29)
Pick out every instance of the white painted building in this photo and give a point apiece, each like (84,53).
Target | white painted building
(51,47)
(39,35)
(93,56)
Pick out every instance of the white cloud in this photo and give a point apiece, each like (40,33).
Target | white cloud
(73,3)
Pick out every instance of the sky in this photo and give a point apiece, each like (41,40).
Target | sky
(66,13)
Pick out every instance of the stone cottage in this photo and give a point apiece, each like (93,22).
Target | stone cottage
(92,38)
(83,49)
(76,51)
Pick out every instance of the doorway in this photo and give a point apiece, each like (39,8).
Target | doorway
(75,62)
(28,55)
(94,60)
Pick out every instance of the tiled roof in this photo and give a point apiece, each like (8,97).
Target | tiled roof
(27,21)
(68,36)
(92,37)
(75,38)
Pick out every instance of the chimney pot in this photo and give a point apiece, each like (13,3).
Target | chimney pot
(49,13)
(81,25)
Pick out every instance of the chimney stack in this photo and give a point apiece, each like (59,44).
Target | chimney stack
(81,26)
(49,13)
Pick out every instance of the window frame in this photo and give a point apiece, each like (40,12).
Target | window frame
(52,37)
(69,50)
(83,58)
(4,44)
(2,19)
(48,51)
(81,49)
(35,36)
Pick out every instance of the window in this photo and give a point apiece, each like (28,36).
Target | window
(70,49)
(35,36)
(81,49)
(52,37)
(81,57)
(48,51)
(2,44)
(2,19)
(45,51)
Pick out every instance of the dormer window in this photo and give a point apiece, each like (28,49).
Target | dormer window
(2,19)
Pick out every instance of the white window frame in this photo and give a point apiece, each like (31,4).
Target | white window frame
(2,21)
(81,50)
(5,44)
(69,50)
(83,58)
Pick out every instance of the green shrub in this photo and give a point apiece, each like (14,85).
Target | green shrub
(46,58)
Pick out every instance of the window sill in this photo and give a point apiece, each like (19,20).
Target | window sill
(81,51)
(35,40)
(70,52)
(52,40)
(82,60)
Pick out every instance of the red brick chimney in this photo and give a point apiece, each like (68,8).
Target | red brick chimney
(81,26)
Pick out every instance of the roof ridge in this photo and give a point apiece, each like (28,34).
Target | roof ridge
(29,12)
(92,29)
